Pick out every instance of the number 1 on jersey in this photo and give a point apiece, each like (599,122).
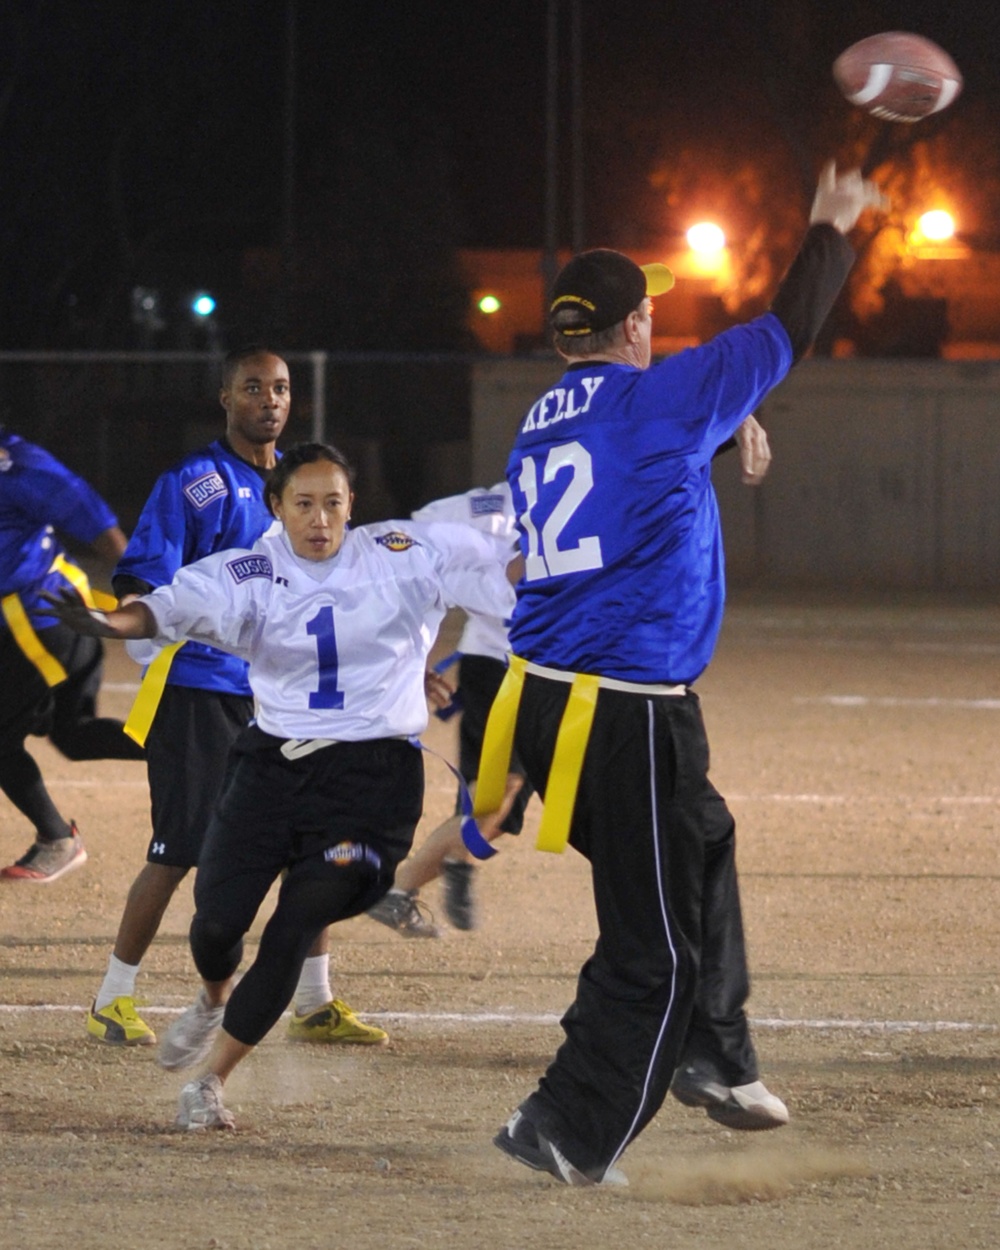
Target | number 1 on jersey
(321,628)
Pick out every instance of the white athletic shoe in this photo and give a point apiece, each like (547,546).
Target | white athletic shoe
(201,1106)
(190,1037)
(758,1107)
(749,1108)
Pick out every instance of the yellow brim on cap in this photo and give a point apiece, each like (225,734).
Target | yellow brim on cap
(658,278)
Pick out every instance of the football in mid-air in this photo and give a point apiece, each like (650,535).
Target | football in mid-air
(897,76)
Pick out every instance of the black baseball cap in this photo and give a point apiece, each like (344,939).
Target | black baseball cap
(599,288)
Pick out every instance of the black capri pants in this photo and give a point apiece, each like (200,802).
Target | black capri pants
(336,822)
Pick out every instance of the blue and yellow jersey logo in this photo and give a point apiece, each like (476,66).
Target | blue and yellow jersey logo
(396,540)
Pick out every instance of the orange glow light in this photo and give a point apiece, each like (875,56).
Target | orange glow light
(706,238)
(936,226)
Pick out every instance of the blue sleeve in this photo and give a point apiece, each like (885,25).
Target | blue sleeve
(163,540)
(48,493)
(715,387)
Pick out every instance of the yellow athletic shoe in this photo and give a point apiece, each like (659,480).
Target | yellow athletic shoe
(335,1022)
(119,1024)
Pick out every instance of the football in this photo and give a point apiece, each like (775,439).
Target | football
(898,77)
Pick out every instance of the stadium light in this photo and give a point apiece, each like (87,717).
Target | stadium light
(936,226)
(489,304)
(202,304)
(706,238)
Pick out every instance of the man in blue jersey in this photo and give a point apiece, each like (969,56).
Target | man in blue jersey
(50,675)
(211,500)
(617,615)
(482,652)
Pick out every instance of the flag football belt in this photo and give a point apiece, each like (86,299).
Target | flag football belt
(570,748)
(299,748)
(154,679)
(23,632)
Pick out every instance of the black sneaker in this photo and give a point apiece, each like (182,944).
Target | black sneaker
(522,1141)
(401,910)
(459,905)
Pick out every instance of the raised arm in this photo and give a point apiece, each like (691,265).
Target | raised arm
(813,282)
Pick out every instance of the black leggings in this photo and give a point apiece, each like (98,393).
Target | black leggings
(305,907)
(335,823)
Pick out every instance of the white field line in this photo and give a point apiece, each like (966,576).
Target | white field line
(907,800)
(473,1019)
(862,700)
(79,783)
(748,636)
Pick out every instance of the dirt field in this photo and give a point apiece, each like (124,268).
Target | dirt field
(858,747)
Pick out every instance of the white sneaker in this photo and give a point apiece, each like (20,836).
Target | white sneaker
(201,1106)
(749,1108)
(756,1107)
(190,1037)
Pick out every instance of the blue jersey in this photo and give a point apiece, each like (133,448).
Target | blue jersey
(611,481)
(211,501)
(38,497)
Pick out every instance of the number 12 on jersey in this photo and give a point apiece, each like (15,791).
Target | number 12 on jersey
(321,628)
(545,557)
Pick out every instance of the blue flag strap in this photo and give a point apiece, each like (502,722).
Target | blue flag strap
(474,841)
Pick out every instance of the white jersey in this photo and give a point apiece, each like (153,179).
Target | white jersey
(492,512)
(337,648)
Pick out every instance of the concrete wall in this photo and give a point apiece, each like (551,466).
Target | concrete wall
(886,472)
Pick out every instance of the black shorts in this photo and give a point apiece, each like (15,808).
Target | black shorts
(186,755)
(28,703)
(479,678)
(351,807)
(66,713)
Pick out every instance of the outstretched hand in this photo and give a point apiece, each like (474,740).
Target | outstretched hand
(755,451)
(842,198)
(71,610)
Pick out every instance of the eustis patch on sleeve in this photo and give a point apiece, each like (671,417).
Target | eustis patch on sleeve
(204,489)
(242,569)
(486,505)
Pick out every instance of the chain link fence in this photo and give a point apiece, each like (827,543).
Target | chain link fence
(120,418)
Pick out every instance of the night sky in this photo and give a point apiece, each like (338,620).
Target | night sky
(147,143)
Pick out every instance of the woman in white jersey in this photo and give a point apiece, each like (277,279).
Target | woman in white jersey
(326,785)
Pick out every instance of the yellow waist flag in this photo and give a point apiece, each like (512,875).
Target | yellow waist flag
(23,631)
(567,760)
(29,642)
(140,718)
(567,763)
